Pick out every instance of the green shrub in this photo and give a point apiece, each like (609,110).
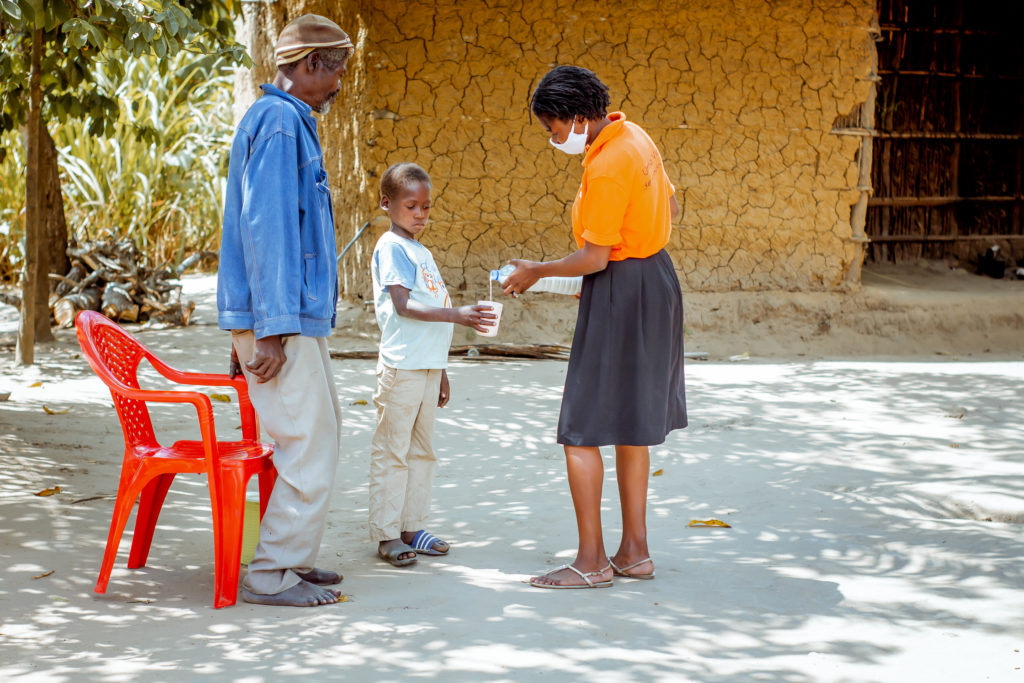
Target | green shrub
(158,180)
(12,208)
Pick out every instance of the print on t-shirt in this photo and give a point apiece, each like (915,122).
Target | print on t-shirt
(435,285)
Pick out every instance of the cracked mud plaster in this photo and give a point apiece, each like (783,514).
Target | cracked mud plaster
(739,95)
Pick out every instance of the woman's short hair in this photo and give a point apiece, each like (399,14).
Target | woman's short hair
(399,176)
(566,92)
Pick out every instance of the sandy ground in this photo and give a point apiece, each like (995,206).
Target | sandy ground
(876,509)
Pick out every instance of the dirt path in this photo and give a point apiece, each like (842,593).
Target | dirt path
(875,511)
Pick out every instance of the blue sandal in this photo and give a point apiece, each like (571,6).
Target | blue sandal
(424,542)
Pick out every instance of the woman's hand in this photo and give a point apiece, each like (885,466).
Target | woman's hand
(480,318)
(522,278)
(446,390)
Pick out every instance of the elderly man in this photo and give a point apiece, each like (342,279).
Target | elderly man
(277,287)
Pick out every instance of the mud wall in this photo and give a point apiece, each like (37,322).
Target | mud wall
(741,97)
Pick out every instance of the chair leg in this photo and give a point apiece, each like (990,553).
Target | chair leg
(228,522)
(150,502)
(122,510)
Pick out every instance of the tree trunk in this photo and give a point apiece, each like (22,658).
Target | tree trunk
(53,237)
(53,247)
(25,353)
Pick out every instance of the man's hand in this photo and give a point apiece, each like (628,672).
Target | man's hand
(267,358)
(446,391)
(234,367)
(481,318)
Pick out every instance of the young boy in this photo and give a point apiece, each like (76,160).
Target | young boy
(415,317)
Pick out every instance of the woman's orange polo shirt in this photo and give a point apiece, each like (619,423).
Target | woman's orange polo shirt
(623,201)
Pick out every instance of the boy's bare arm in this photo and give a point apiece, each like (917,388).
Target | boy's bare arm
(446,390)
(478,317)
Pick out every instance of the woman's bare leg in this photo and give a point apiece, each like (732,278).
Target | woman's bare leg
(632,467)
(586,475)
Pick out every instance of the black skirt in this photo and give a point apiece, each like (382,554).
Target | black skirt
(624,384)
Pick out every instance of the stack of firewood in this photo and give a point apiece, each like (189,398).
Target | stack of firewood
(114,278)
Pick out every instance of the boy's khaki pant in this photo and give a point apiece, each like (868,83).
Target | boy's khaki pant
(402,460)
(299,410)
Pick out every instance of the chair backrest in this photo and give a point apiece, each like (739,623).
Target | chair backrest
(115,356)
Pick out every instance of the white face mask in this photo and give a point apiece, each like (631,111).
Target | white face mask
(575,143)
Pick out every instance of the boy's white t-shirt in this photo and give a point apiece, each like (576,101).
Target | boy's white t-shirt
(405,343)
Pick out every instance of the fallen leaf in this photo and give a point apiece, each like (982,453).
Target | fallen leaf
(55,411)
(954,445)
(957,416)
(657,473)
(343,598)
(360,402)
(58,598)
(49,492)
(708,522)
(35,384)
(223,398)
(44,575)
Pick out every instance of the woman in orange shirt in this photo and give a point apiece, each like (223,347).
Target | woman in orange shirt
(624,385)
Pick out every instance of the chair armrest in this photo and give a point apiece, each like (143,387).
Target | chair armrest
(194,378)
(250,425)
(204,409)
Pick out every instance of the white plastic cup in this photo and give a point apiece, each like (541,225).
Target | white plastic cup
(496,310)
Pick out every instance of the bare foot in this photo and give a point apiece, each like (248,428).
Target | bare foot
(302,594)
(321,577)
(567,577)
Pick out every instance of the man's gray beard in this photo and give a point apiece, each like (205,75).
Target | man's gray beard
(325,106)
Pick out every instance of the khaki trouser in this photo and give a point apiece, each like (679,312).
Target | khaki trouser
(402,460)
(299,410)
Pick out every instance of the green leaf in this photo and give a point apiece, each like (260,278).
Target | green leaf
(96,37)
(11,9)
(79,36)
(35,9)
(170,23)
(50,19)
(62,11)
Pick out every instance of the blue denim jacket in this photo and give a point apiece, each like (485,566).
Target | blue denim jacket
(277,272)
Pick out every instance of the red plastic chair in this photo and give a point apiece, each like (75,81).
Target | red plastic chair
(149,468)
